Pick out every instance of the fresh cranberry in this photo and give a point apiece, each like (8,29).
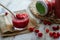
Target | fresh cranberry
(51,34)
(6,13)
(31,29)
(58,34)
(47,30)
(55,36)
(40,34)
(47,22)
(36,31)
(54,28)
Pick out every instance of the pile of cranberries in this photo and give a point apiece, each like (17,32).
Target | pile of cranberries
(54,35)
(45,22)
(51,34)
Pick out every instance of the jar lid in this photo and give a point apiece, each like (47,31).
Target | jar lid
(41,7)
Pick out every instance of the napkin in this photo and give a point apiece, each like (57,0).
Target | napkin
(6,23)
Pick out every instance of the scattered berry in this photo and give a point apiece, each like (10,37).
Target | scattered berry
(36,31)
(55,36)
(6,13)
(51,34)
(47,30)
(31,29)
(58,34)
(40,34)
(47,22)
(54,28)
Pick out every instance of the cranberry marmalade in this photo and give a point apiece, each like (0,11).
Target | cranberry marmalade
(57,8)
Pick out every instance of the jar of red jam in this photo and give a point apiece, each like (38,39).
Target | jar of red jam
(57,8)
(21,20)
(45,7)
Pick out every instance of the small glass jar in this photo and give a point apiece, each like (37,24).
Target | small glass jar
(20,21)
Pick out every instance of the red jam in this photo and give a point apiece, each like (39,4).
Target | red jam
(50,5)
(57,8)
(21,20)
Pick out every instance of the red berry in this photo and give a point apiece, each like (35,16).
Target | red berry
(58,34)
(40,34)
(49,23)
(55,36)
(36,31)
(47,30)
(45,22)
(54,28)
(31,29)
(51,34)
(6,13)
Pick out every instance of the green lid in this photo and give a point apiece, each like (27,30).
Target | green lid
(41,8)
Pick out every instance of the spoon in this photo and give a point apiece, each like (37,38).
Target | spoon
(7,9)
